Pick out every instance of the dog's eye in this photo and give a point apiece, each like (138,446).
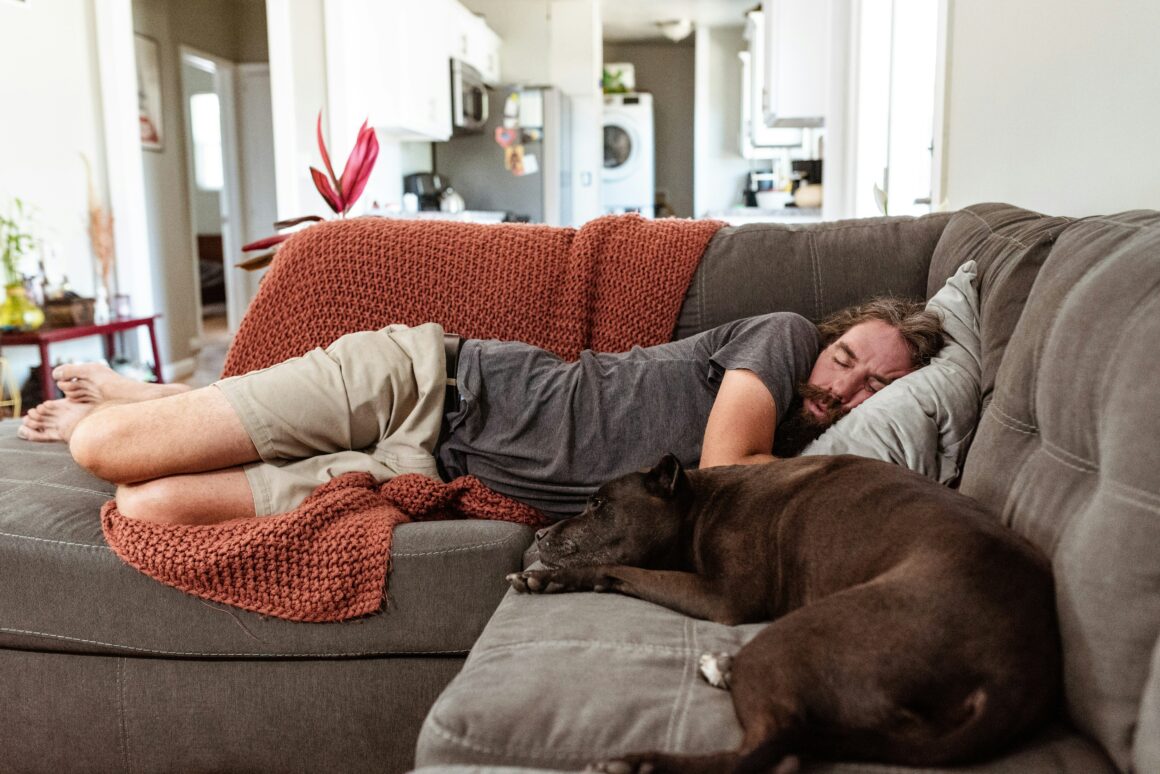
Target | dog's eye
(596,502)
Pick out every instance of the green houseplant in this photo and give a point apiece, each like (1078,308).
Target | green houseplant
(17,312)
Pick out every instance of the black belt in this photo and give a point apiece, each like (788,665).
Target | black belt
(451,344)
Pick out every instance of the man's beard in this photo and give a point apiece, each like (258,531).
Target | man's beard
(800,426)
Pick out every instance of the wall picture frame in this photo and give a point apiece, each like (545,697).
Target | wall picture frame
(148,55)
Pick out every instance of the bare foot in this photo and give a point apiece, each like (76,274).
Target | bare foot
(96,382)
(53,420)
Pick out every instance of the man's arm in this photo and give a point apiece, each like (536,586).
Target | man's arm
(741,422)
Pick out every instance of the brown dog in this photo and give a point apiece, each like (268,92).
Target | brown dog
(909,626)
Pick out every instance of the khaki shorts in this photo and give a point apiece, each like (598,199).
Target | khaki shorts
(370,402)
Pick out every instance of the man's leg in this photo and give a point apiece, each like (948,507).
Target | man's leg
(197,498)
(191,432)
(85,385)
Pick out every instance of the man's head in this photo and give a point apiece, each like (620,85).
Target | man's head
(865,347)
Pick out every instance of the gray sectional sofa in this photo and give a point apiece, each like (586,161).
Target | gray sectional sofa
(105,670)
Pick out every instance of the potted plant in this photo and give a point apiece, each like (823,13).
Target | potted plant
(17,312)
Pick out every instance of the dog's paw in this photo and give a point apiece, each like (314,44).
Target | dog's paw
(717,669)
(535,582)
(620,766)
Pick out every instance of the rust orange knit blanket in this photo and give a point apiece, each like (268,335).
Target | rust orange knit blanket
(615,282)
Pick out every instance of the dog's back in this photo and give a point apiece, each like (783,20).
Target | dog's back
(939,620)
(909,626)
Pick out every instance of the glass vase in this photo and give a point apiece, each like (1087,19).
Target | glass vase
(19,312)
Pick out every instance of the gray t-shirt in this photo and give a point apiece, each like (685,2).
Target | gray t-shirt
(549,432)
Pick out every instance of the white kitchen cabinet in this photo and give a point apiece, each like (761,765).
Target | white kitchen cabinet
(759,141)
(795,62)
(388,59)
(474,43)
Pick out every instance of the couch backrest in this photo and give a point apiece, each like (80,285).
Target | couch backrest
(1068,447)
(812,270)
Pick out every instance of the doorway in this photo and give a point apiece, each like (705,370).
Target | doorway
(229,135)
(203,85)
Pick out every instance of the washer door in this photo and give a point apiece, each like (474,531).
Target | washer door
(621,148)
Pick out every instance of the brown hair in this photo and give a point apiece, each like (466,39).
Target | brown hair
(921,328)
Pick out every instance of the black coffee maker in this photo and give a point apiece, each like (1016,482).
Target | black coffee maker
(427,186)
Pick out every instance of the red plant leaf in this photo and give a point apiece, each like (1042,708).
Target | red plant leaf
(359,166)
(333,199)
(325,155)
(267,242)
(295,221)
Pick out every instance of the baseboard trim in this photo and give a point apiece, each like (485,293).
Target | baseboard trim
(182,369)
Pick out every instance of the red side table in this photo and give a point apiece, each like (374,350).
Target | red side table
(45,336)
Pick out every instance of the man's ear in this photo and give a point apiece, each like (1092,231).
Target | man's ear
(666,477)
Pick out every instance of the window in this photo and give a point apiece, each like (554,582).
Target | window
(205,120)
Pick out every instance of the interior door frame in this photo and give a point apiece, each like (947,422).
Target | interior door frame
(230,198)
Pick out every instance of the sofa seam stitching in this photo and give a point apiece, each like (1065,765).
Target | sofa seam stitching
(490,749)
(55,542)
(1133,227)
(1015,424)
(680,711)
(631,646)
(125,758)
(814,227)
(1133,495)
(500,541)
(817,275)
(47,482)
(137,648)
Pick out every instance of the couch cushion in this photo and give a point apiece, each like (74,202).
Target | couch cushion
(809,269)
(1068,451)
(557,681)
(65,590)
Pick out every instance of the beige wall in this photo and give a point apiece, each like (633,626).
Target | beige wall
(1053,105)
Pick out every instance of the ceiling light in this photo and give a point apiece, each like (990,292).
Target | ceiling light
(676,29)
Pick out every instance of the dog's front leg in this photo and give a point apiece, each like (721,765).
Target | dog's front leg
(686,592)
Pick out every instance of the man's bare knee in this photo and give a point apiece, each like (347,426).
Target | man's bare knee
(95,443)
(157,501)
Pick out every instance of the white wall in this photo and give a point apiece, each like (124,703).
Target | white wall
(1053,105)
(718,167)
(51,97)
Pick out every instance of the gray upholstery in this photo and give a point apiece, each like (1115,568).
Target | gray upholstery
(115,645)
(812,270)
(1067,454)
(106,670)
(558,681)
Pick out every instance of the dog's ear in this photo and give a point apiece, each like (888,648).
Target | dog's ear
(666,477)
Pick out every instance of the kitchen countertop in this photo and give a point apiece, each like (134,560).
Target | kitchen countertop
(465,216)
(739,216)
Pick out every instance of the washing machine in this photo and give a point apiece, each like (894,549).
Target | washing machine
(629,155)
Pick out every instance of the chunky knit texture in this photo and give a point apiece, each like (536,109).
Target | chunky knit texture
(616,282)
(325,561)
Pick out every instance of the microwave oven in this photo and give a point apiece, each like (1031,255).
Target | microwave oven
(468,98)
